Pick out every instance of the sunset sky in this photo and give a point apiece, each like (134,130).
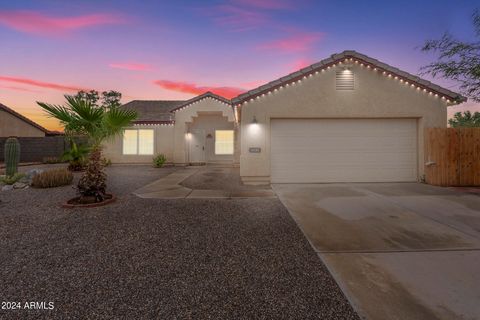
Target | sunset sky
(178,49)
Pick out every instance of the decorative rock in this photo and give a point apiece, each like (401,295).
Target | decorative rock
(19,185)
(24,180)
(7,187)
(32,173)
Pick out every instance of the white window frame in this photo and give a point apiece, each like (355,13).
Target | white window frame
(137,153)
(233,143)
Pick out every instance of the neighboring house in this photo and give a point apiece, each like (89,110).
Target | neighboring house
(36,142)
(14,124)
(348,118)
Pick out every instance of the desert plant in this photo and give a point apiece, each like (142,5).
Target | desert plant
(76,156)
(52,178)
(12,179)
(82,117)
(51,160)
(12,156)
(159,160)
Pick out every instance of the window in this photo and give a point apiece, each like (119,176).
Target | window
(138,141)
(223,142)
(345,80)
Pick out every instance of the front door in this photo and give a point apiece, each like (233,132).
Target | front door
(197,146)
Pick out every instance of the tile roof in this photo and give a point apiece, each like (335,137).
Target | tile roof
(30,122)
(153,111)
(335,58)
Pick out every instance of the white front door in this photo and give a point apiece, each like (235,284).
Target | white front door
(343,150)
(197,146)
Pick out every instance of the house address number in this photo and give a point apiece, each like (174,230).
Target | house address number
(255,150)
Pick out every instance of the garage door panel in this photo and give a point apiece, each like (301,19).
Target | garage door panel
(343,150)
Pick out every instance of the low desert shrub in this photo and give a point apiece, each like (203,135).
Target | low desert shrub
(159,160)
(52,160)
(52,178)
(12,179)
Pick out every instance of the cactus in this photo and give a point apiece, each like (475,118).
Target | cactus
(12,156)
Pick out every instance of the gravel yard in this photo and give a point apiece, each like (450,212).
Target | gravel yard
(159,259)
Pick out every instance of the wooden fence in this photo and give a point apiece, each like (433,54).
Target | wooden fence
(452,156)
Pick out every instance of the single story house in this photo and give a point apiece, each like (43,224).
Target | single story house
(348,118)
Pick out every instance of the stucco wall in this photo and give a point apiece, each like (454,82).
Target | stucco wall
(163,143)
(187,115)
(210,123)
(12,126)
(375,96)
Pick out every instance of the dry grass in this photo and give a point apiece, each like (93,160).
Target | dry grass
(52,178)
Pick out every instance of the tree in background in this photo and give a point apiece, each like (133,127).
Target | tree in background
(465,120)
(109,99)
(457,60)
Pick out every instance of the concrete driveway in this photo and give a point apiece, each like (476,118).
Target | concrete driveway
(398,250)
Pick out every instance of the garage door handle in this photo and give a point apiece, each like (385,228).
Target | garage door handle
(430,163)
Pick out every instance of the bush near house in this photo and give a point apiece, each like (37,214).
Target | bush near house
(52,178)
(159,161)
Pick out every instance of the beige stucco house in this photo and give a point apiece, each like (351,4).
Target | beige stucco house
(348,118)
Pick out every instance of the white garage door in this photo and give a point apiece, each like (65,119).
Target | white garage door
(343,150)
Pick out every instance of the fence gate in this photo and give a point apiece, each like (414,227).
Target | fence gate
(452,156)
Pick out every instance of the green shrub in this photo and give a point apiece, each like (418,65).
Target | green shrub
(159,160)
(52,178)
(12,179)
(76,156)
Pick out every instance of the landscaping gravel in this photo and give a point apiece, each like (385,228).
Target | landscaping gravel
(159,259)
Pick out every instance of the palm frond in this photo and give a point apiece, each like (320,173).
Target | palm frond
(116,119)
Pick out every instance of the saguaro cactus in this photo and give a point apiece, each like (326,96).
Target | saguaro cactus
(12,156)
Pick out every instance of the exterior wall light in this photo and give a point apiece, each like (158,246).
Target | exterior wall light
(254,120)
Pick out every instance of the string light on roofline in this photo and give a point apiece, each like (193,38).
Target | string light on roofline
(369,66)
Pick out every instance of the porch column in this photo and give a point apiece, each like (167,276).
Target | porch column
(179,146)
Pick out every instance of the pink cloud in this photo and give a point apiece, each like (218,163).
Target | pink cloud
(253,84)
(37,23)
(132,66)
(19,89)
(266,4)
(41,84)
(300,64)
(299,42)
(187,87)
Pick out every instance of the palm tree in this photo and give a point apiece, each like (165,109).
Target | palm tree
(82,117)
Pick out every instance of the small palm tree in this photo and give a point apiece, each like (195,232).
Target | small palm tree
(82,117)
